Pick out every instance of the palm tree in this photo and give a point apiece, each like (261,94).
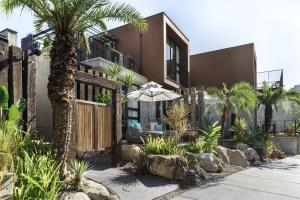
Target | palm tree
(241,97)
(270,97)
(69,20)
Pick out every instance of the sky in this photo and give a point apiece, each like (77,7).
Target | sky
(272,25)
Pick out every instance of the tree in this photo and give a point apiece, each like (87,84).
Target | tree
(270,97)
(69,20)
(241,97)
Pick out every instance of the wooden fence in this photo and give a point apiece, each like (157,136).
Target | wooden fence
(17,73)
(97,126)
(93,125)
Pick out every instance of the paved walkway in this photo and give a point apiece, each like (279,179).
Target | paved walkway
(131,187)
(279,180)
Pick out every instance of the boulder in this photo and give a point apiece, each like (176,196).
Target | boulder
(170,167)
(95,191)
(128,151)
(194,164)
(223,154)
(74,196)
(251,155)
(237,157)
(207,161)
(210,163)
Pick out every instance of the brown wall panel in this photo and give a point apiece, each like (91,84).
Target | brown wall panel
(229,65)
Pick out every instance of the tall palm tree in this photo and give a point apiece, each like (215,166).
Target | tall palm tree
(240,97)
(69,20)
(270,97)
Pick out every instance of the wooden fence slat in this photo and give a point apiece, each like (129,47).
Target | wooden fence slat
(94,126)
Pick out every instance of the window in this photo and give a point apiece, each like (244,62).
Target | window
(173,60)
(133,109)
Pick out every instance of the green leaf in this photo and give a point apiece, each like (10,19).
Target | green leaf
(4,96)
(14,113)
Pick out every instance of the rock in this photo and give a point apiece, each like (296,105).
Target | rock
(170,167)
(207,161)
(237,157)
(203,174)
(113,197)
(128,151)
(74,196)
(95,191)
(222,152)
(251,155)
(210,163)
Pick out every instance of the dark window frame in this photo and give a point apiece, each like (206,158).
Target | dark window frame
(172,46)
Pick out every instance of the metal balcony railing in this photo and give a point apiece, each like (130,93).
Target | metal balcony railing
(273,78)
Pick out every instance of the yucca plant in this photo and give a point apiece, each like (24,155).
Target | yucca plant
(103,97)
(177,116)
(78,168)
(240,128)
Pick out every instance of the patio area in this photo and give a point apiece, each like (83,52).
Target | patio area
(278,180)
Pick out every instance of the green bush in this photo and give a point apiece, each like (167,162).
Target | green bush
(161,146)
(196,147)
(255,135)
(209,142)
(38,177)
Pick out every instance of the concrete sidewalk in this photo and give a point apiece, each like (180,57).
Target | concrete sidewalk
(129,186)
(279,180)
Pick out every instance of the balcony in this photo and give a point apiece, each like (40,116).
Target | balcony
(100,64)
(273,78)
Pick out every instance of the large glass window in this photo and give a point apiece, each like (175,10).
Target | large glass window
(173,60)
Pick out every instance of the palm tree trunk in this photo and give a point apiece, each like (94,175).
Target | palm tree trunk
(223,121)
(61,92)
(268,118)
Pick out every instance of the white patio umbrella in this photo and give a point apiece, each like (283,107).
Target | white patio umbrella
(152,92)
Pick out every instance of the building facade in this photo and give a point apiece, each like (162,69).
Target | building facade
(230,65)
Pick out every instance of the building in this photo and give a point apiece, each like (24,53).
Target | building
(160,54)
(9,36)
(230,65)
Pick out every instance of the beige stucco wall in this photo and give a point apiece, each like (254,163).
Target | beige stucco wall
(43,105)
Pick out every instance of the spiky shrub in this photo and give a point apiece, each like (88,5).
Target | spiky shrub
(177,116)
(38,177)
(161,146)
(103,97)
(78,168)
(239,128)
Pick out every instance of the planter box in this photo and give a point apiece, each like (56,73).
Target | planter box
(290,145)
(7,186)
